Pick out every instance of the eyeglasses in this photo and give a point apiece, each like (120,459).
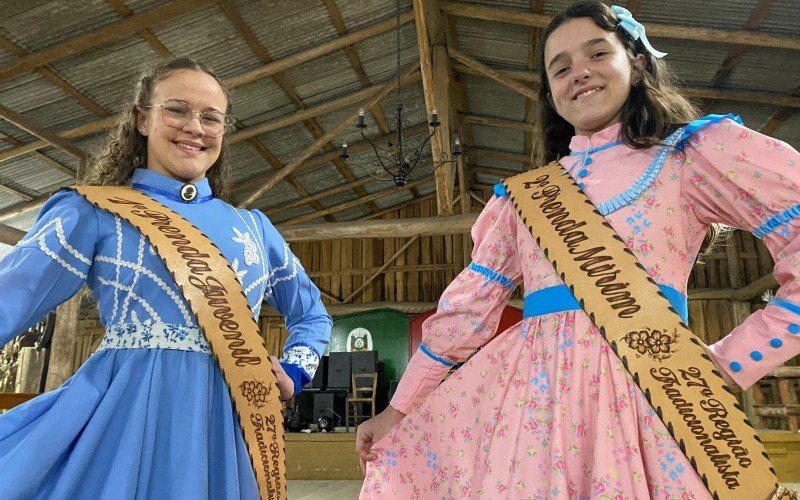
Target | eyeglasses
(176,114)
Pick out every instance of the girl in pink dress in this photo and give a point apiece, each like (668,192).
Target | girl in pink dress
(546,409)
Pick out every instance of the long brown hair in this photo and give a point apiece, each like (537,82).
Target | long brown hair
(654,108)
(125,149)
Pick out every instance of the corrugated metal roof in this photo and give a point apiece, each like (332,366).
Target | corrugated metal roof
(105,75)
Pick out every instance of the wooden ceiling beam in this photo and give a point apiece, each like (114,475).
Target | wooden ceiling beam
(354,203)
(55,79)
(488,72)
(103,36)
(537,6)
(435,70)
(252,41)
(780,115)
(315,162)
(53,139)
(236,81)
(491,121)
(771,98)
(145,33)
(355,62)
(375,96)
(383,228)
(283,207)
(736,52)
(376,90)
(10,235)
(654,30)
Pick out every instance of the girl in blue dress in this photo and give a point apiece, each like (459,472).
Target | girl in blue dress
(149,414)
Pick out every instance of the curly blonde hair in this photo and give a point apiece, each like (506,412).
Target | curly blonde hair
(125,149)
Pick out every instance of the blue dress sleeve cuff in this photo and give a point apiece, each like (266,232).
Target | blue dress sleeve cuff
(298,376)
(701,123)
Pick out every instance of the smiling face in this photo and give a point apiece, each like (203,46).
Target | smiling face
(182,153)
(589,74)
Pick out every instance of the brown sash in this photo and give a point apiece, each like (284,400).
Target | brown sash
(664,358)
(218,302)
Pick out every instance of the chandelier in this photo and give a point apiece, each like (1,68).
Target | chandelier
(399,159)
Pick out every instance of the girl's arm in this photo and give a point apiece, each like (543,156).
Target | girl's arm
(747,180)
(470,308)
(49,265)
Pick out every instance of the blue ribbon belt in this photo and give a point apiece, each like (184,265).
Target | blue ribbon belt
(560,299)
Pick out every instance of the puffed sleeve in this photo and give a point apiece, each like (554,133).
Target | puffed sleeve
(292,293)
(470,308)
(49,265)
(738,177)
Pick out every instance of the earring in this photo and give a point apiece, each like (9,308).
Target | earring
(142,131)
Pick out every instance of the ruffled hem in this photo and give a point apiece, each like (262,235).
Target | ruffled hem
(776,221)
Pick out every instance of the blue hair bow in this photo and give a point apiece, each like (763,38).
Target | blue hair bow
(634,29)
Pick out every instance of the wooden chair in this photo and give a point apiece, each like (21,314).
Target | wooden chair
(776,399)
(365,389)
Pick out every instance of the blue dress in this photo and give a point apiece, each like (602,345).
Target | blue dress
(148,415)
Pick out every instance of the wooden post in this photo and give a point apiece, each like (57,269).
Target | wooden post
(62,347)
(435,69)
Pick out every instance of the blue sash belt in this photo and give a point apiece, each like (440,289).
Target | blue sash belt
(559,299)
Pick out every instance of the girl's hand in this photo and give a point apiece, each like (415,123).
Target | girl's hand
(727,378)
(285,383)
(372,431)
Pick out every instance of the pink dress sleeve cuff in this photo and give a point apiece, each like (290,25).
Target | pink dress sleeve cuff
(421,377)
(766,340)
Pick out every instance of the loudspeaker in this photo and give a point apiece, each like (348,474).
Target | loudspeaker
(327,401)
(363,361)
(339,371)
(304,405)
(320,380)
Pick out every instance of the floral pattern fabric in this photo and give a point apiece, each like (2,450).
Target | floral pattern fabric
(545,409)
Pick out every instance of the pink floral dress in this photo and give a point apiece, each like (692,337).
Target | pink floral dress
(546,409)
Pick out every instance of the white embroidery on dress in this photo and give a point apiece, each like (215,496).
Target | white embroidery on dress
(41,238)
(303,356)
(287,260)
(137,271)
(147,307)
(149,335)
(239,274)
(118,229)
(250,250)
(177,299)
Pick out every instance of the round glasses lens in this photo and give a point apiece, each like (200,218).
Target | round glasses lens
(176,114)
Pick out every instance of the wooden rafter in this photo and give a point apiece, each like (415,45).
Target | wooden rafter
(39,156)
(354,203)
(53,139)
(145,33)
(791,101)
(108,34)
(318,161)
(242,135)
(654,30)
(779,116)
(283,207)
(537,6)
(383,228)
(435,70)
(736,52)
(10,235)
(236,81)
(280,78)
(276,164)
(55,79)
(493,74)
(458,105)
(375,96)
(491,121)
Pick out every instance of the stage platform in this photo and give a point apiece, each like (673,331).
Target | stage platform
(327,456)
